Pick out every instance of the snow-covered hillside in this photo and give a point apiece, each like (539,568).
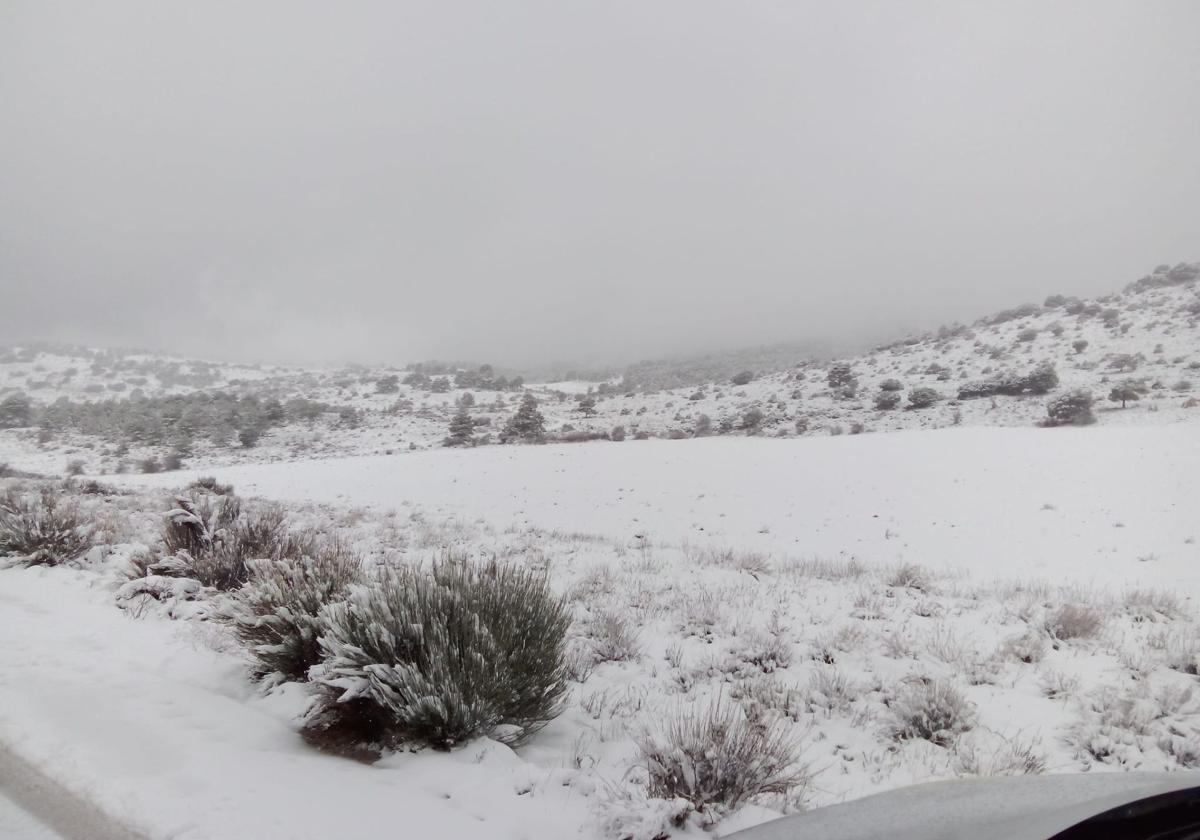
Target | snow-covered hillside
(1146,337)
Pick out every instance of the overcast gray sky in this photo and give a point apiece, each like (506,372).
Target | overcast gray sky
(520,180)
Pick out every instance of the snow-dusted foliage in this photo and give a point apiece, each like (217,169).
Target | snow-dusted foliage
(210,538)
(41,528)
(934,710)
(438,656)
(277,612)
(1071,409)
(527,425)
(923,397)
(716,758)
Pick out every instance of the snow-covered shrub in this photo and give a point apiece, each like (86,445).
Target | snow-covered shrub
(1071,409)
(766,696)
(922,397)
(933,710)
(891,385)
(751,419)
(1041,380)
(1149,605)
(277,613)
(1057,685)
(716,759)
(829,691)
(1185,749)
(1074,621)
(210,484)
(887,400)
(1115,719)
(993,755)
(40,528)
(580,662)
(827,647)
(135,595)
(210,538)
(196,521)
(614,638)
(763,650)
(438,656)
(823,568)
(840,376)
(910,576)
(1028,647)
(751,562)
(631,814)
(1181,651)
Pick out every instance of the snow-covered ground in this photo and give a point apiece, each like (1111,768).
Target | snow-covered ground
(1096,504)
(814,577)
(165,735)
(19,824)
(764,571)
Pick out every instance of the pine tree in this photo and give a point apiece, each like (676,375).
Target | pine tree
(528,423)
(461,428)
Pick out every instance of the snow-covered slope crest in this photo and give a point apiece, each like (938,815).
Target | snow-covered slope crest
(1145,339)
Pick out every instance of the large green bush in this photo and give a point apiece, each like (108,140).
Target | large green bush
(435,657)
(277,612)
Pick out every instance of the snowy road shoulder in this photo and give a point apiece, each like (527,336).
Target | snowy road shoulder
(165,735)
(34,806)
(18,824)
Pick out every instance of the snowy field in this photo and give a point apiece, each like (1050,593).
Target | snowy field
(822,581)
(1087,504)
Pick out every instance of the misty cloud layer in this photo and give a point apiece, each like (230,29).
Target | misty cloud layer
(521,180)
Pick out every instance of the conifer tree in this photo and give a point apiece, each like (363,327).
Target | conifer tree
(461,428)
(527,424)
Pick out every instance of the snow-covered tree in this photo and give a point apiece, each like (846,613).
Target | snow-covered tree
(1071,409)
(527,424)
(462,427)
(16,411)
(1123,393)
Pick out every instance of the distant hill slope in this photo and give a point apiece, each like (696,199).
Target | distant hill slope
(110,410)
(683,371)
